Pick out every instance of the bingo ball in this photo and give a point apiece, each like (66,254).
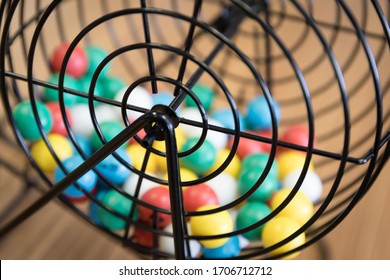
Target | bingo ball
(166,243)
(59,126)
(95,56)
(248,146)
(311,185)
(131,183)
(86,182)
(25,121)
(233,167)
(226,118)
(249,214)
(82,125)
(144,237)
(225,187)
(259,161)
(291,161)
(259,115)
(119,204)
(190,114)
(52,95)
(139,97)
(210,225)
(43,156)
(186,175)
(228,250)
(300,208)
(84,86)
(157,197)
(83,144)
(137,155)
(279,229)
(109,130)
(113,170)
(218,139)
(77,64)
(197,196)
(204,94)
(248,179)
(298,135)
(111,85)
(202,159)
(94,207)
(162,98)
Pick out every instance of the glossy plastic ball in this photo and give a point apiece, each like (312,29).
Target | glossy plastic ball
(83,144)
(234,166)
(296,134)
(106,113)
(186,175)
(291,161)
(82,124)
(311,185)
(84,86)
(249,178)
(212,224)
(201,160)
(162,98)
(44,158)
(137,154)
(190,114)
(25,121)
(248,146)
(52,95)
(109,130)
(259,161)
(300,208)
(130,185)
(259,115)
(197,196)
(113,170)
(156,197)
(225,186)
(111,85)
(95,56)
(226,118)
(118,203)
(218,139)
(59,126)
(139,97)
(144,237)
(228,250)
(249,214)
(205,95)
(86,182)
(94,207)
(77,64)
(279,229)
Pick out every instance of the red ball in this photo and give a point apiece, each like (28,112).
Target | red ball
(247,147)
(157,197)
(141,134)
(298,135)
(197,196)
(58,121)
(77,64)
(144,237)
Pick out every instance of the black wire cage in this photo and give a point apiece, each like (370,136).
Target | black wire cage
(325,63)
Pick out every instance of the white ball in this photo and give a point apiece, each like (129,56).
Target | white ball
(166,243)
(311,185)
(243,241)
(82,123)
(218,139)
(130,185)
(191,114)
(139,97)
(105,113)
(225,187)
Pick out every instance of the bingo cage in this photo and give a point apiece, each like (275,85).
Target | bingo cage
(237,129)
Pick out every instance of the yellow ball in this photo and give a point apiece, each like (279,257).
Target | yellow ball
(290,161)
(212,224)
(300,208)
(279,229)
(186,175)
(42,155)
(234,166)
(161,161)
(137,155)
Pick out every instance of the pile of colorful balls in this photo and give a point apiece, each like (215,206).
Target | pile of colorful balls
(116,181)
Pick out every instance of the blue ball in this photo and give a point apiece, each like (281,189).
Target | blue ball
(87,181)
(226,118)
(84,144)
(259,114)
(162,98)
(230,249)
(93,207)
(113,170)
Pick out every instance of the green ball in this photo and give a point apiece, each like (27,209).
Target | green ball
(259,161)
(200,161)
(84,84)
(119,203)
(95,56)
(25,121)
(249,214)
(264,192)
(111,86)
(109,129)
(205,95)
(51,95)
